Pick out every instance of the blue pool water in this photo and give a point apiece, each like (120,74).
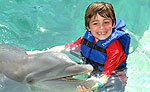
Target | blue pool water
(42,24)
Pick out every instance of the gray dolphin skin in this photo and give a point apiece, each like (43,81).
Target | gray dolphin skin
(46,72)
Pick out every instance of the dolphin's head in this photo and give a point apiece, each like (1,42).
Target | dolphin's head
(51,66)
(55,74)
(44,71)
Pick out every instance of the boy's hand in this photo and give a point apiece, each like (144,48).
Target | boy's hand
(83,89)
(57,49)
(103,79)
(33,52)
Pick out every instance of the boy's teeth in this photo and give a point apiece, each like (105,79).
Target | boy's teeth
(101,33)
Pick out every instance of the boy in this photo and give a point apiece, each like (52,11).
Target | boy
(104,45)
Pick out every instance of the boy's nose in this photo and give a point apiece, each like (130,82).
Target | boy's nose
(101,27)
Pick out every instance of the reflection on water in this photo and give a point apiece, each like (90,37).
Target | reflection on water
(46,23)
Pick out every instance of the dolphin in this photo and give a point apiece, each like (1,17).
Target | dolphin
(45,72)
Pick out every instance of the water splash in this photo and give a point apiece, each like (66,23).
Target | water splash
(139,65)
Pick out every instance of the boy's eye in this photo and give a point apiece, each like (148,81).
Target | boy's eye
(95,23)
(106,22)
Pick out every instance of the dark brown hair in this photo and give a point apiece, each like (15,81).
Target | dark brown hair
(103,9)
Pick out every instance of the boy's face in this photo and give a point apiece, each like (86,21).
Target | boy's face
(100,27)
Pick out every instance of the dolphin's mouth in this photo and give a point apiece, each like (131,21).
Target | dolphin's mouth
(70,77)
(70,73)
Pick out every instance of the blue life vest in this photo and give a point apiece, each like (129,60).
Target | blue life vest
(95,54)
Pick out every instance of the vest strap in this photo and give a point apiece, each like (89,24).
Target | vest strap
(92,45)
(98,64)
(120,67)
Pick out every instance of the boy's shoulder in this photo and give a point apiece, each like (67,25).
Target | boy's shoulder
(115,45)
(119,24)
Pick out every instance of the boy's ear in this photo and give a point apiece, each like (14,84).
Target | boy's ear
(88,28)
(113,25)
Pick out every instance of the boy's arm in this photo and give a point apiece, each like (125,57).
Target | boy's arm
(115,56)
(72,46)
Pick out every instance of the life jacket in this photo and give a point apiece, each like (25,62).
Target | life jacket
(95,54)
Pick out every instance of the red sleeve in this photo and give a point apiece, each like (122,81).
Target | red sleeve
(74,46)
(115,56)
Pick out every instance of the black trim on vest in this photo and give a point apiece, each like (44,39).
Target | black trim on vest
(92,45)
(120,67)
(94,63)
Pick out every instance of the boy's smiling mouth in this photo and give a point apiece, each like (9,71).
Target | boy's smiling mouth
(101,33)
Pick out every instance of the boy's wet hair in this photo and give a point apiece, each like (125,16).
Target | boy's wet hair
(103,9)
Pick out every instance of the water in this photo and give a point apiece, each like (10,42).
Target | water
(41,24)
